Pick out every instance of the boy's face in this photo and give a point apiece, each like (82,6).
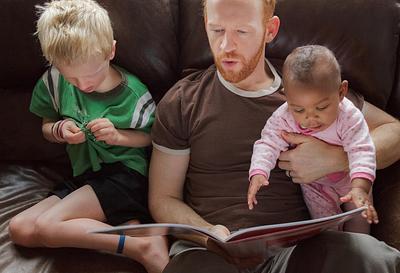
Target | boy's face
(89,76)
(237,34)
(313,108)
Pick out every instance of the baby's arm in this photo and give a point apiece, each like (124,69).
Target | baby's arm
(266,151)
(62,131)
(256,182)
(358,144)
(104,130)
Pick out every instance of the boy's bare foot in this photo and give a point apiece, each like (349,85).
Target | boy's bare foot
(151,252)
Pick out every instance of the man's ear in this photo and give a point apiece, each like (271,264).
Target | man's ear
(112,54)
(344,87)
(272,28)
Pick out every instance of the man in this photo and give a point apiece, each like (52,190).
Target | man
(203,136)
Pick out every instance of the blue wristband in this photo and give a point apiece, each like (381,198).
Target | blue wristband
(121,244)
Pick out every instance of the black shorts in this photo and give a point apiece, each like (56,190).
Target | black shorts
(121,191)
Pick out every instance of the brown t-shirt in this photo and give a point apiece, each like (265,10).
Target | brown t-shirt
(217,124)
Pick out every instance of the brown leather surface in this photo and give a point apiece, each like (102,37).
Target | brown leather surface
(21,187)
(159,41)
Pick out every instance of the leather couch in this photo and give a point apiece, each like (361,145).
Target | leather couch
(160,41)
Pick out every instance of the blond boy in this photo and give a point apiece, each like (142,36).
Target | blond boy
(103,114)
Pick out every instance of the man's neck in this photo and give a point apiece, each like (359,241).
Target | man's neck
(260,78)
(257,89)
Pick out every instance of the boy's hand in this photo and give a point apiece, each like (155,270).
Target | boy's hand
(256,182)
(71,133)
(361,198)
(103,130)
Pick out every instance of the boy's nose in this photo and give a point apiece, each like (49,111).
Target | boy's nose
(82,85)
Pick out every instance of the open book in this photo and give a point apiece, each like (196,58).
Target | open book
(258,240)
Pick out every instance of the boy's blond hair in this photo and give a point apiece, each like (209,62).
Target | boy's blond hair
(71,31)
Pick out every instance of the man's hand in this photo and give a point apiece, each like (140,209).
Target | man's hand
(311,158)
(256,182)
(222,232)
(103,130)
(71,133)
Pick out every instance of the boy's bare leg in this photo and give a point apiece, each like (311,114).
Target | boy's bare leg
(22,226)
(64,223)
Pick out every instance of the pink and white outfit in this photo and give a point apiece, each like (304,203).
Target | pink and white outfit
(349,130)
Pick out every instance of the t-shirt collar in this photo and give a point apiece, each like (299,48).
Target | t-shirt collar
(256,93)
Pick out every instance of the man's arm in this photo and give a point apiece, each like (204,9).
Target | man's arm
(385,132)
(302,163)
(166,181)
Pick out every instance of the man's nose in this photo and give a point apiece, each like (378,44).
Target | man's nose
(228,44)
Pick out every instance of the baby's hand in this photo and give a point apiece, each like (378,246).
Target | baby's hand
(71,133)
(361,198)
(103,130)
(256,182)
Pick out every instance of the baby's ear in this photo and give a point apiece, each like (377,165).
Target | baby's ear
(344,87)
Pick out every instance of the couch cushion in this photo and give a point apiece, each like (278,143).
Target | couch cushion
(363,34)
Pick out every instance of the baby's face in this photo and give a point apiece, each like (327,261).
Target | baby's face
(312,108)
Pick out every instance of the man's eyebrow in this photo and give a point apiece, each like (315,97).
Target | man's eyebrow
(213,25)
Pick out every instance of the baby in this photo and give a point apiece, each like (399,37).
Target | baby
(316,106)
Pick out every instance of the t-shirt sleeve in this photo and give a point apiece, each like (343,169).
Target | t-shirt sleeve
(170,130)
(41,103)
(143,113)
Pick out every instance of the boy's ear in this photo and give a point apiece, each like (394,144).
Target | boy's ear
(112,54)
(272,28)
(344,87)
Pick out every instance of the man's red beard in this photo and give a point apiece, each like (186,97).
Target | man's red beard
(248,66)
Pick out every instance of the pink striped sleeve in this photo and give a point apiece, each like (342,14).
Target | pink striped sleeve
(267,149)
(357,141)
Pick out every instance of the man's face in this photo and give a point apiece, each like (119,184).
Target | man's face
(236,33)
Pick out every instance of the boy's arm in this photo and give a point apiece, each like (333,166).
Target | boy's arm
(62,131)
(47,128)
(104,130)
(132,138)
